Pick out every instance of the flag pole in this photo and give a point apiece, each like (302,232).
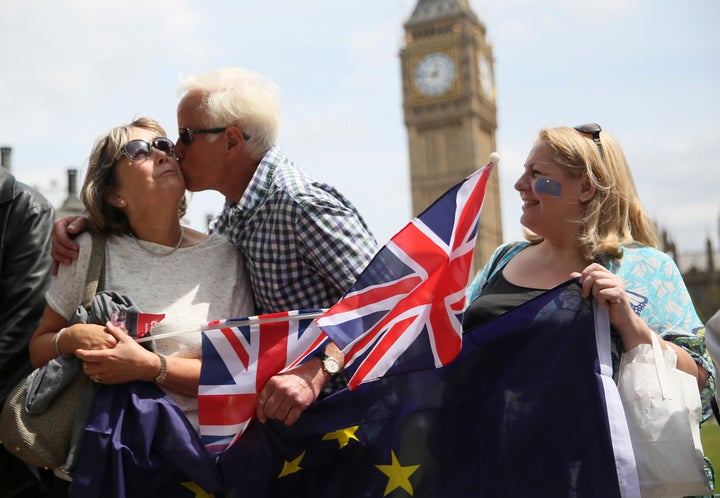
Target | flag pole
(238,322)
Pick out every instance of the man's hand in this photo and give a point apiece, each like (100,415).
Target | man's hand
(286,395)
(64,248)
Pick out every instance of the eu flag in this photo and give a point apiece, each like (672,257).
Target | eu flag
(527,409)
(137,443)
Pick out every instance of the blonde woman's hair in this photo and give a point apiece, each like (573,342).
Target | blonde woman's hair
(104,217)
(614,217)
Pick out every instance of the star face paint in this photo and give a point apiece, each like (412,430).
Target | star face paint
(548,186)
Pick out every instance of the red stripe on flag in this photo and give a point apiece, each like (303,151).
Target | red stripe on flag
(471,210)
(237,346)
(379,350)
(272,356)
(225,409)
(394,288)
(446,339)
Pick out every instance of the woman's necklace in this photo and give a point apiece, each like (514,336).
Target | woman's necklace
(160,254)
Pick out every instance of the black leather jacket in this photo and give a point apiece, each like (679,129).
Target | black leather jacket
(26,221)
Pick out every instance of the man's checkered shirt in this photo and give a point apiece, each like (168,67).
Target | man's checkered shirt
(304,243)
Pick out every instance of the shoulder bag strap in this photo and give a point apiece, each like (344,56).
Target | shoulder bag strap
(96,270)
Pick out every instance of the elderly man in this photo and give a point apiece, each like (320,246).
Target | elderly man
(303,241)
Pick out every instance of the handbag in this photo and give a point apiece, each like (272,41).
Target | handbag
(663,409)
(43,439)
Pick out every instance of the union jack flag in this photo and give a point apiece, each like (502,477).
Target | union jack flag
(405,310)
(239,356)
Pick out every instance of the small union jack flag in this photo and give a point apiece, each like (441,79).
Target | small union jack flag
(405,310)
(239,356)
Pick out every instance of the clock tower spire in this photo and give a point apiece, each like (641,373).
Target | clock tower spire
(449,108)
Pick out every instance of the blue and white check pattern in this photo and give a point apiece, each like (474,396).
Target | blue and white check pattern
(304,243)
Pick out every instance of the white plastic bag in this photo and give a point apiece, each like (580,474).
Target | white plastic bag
(662,407)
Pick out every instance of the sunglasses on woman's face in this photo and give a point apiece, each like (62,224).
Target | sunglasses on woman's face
(139,150)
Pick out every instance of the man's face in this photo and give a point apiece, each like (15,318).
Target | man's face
(200,159)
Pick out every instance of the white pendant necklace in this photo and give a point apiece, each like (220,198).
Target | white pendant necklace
(160,254)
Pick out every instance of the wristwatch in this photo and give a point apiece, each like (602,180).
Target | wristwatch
(162,375)
(329,364)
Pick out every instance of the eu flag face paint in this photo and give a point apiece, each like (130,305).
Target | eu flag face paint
(548,186)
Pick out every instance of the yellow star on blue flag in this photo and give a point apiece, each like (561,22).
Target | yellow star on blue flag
(292,466)
(343,436)
(199,492)
(398,476)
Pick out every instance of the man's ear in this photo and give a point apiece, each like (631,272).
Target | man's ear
(587,190)
(234,138)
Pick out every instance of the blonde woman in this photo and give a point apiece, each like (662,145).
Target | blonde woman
(583,217)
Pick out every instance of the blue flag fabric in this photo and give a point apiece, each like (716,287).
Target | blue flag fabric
(528,408)
(137,443)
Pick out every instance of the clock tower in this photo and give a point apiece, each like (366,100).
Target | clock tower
(449,108)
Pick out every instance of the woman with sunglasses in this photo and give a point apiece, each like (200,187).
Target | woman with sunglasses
(134,194)
(582,218)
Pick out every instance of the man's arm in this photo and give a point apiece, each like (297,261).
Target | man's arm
(335,244)
(24,278)
(64,248)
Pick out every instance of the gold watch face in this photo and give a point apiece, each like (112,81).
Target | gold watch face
(331,365)
(434,74)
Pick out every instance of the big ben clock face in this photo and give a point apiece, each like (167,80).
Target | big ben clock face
(486,78)
(434,74)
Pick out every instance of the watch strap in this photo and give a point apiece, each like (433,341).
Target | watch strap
(161,377)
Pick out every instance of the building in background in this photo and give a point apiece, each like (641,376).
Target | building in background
(70,205)
(6,158)
(700,272)
(449,104)
(449,108)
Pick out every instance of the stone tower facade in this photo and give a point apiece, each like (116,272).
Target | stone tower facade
(449,108)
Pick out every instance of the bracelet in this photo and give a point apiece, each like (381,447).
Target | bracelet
(162,376)
(57,340)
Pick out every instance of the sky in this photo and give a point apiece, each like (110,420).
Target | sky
(647,70)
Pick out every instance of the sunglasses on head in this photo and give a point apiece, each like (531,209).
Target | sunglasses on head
(186,134)
(592,130)
(138,149)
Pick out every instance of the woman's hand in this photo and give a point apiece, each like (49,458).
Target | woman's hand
(126,362)
(85,336)
(607,288)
